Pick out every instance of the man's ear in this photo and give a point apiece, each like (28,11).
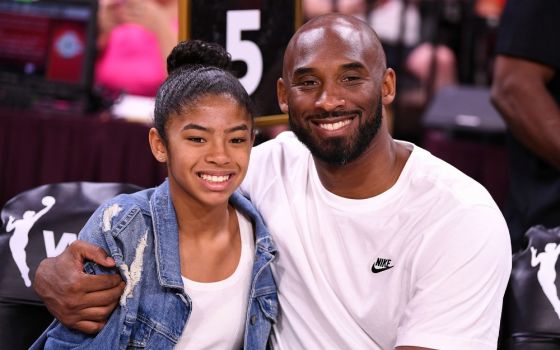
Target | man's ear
(388,89)
(282,95)
(157,146)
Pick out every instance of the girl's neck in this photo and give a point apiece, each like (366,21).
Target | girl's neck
(209,241)
(203,221)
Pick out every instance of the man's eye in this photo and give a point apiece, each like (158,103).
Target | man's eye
(196,139)
(351,78)
(306,83)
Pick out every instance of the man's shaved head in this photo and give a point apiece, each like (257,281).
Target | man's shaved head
(350,30)
(333,87)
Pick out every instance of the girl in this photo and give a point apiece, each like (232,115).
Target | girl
(195,255)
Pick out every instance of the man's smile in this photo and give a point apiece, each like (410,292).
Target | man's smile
(335,125)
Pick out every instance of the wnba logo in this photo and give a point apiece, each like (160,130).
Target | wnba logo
(546,275)
(20,237)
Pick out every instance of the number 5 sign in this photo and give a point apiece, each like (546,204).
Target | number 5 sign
(254,32)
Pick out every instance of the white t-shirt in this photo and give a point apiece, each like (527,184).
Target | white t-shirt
(219,309)
(436,240)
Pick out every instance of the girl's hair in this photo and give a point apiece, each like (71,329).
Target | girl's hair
(196,69)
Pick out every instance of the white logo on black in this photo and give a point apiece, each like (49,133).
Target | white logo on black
(547,272)
(20,237)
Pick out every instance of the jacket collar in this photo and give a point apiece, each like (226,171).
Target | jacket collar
(166,233)
(263,240)
(166,237)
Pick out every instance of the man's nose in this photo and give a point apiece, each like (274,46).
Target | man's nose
(331,98)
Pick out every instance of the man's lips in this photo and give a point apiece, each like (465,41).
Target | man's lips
(331,126)
(334,122)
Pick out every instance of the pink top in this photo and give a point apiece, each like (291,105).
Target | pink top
(131,62)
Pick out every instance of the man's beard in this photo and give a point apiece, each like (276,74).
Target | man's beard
(339,151)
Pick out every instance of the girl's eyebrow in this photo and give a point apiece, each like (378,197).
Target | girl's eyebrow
(191,126)
(241,127)
(195,127)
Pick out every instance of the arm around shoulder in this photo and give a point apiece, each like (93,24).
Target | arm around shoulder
(79,300)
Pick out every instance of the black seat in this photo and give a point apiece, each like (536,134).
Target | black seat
(36,224)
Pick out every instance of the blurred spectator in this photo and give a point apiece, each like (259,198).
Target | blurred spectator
(491,9)
(526,91)
(314,8)
(135,37)
(400,24)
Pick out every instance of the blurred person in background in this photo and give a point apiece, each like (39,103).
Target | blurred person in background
(417,48)
(526,91)
(135,37)
(423,65)
(314,8)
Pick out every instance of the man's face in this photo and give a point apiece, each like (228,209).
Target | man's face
(332,92)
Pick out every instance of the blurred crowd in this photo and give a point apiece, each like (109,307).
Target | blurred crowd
(430,44)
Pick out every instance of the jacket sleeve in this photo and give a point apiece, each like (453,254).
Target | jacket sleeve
(56,336)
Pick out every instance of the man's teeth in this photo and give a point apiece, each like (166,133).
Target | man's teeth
(334,126)
(214,178)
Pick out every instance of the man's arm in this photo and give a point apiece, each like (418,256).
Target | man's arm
(79,301)
(519,92)
(459,278)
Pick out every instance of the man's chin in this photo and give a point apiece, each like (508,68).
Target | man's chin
(336,155)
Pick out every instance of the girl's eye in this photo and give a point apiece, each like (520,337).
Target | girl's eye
(238,140)
(196,139)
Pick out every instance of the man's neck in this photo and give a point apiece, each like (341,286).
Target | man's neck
(372,173)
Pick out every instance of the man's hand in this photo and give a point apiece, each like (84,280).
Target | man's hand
(79,301)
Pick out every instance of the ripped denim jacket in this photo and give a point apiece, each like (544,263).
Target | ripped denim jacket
(140,232)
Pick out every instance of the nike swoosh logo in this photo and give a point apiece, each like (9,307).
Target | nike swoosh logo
(380,269)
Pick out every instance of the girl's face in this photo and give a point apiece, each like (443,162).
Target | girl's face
(208,150)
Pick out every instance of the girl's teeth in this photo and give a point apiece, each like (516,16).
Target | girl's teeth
(214,178)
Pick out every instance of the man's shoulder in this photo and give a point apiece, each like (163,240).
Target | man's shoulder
(271,158)
(274,164)
(286,144)
(437,177)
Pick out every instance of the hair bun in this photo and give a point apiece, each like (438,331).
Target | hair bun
(197,53)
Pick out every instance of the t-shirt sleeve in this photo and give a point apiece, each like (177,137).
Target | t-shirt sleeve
(529,29)
(459,276)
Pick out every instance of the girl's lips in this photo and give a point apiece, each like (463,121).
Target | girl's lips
(216,181)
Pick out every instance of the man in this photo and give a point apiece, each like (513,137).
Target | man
(381,245)
(526,91)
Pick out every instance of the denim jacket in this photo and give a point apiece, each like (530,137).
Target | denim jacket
(140,232)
